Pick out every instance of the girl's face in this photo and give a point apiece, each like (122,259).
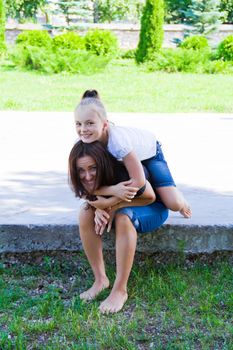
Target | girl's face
(90,127)
(87,170)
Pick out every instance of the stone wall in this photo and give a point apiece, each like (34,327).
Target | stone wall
(128,34)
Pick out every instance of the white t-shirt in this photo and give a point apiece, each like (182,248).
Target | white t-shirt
(123,140)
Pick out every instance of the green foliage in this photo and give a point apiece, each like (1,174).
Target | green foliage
(101,42)
(196,42)
(61,60)
(151,34)
(40,38)
(127,54)
(2,27)
(115,10)
(225,49)
(175,10)
(203,16)
(179,60)
(69,40)
(73,10)
(23,9)
(226,6)
(214,67)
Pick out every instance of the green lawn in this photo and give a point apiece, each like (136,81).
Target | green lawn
(175,303)
(123,86)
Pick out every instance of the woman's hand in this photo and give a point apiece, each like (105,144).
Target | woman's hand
(101,220)
(124,191)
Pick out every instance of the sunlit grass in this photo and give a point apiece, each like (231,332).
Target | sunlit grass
(123,86)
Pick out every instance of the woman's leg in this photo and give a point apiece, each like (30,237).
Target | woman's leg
(92,244)
(174,200)
(126,240)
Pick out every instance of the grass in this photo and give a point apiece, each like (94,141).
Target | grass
(181,303)
(123,86)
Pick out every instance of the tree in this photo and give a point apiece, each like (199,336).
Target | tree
(226,6)
(73,10)
(111,10)
(203,16)
(151,33)
(175,10)
(2,27)
(23,9)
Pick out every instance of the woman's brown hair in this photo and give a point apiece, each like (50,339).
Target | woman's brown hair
(104,161)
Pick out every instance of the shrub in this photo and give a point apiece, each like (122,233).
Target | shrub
(128,53)
(2,28)
(101,42)
(213,67)
(151,33)
(196,42)
(225,49)
(40,38)
(69,40)
(60,60)
(179,60)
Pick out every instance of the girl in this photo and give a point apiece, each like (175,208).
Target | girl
(134,147)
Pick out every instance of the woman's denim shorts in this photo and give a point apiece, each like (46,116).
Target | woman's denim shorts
(146,218)
(160,175)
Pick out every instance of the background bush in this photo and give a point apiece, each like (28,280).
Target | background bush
(196,42)
(2,27)
(225,49)
(61,60)
(39,38)
(101,42)
(179,60)
(69,40)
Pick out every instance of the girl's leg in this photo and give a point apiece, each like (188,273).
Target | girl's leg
(174,200)
(92,244)
(126,240)
(162,181)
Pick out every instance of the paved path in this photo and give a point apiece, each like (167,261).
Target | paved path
(34,148)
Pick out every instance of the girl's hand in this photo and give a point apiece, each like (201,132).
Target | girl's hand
(124,191)
(101,220)
(110,220)
(100,203)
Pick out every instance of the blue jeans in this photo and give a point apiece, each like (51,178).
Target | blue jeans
(146,218)
(159,172)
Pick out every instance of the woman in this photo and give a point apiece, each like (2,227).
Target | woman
(91,167)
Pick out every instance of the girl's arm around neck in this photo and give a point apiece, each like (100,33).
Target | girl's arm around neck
(147,197)
(135,169)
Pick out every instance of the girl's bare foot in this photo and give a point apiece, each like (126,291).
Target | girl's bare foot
(186,211)
(96,289)
(114,302)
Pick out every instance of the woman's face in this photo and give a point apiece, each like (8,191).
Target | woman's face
(87,170)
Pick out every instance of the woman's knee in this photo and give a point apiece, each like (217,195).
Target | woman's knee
(122,220)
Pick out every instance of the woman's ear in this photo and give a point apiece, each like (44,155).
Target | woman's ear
(105,125)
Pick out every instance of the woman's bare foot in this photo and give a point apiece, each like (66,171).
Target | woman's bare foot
(186,211)
(114,302)
(96,289)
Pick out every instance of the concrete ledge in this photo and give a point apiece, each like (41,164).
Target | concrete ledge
(169,238)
